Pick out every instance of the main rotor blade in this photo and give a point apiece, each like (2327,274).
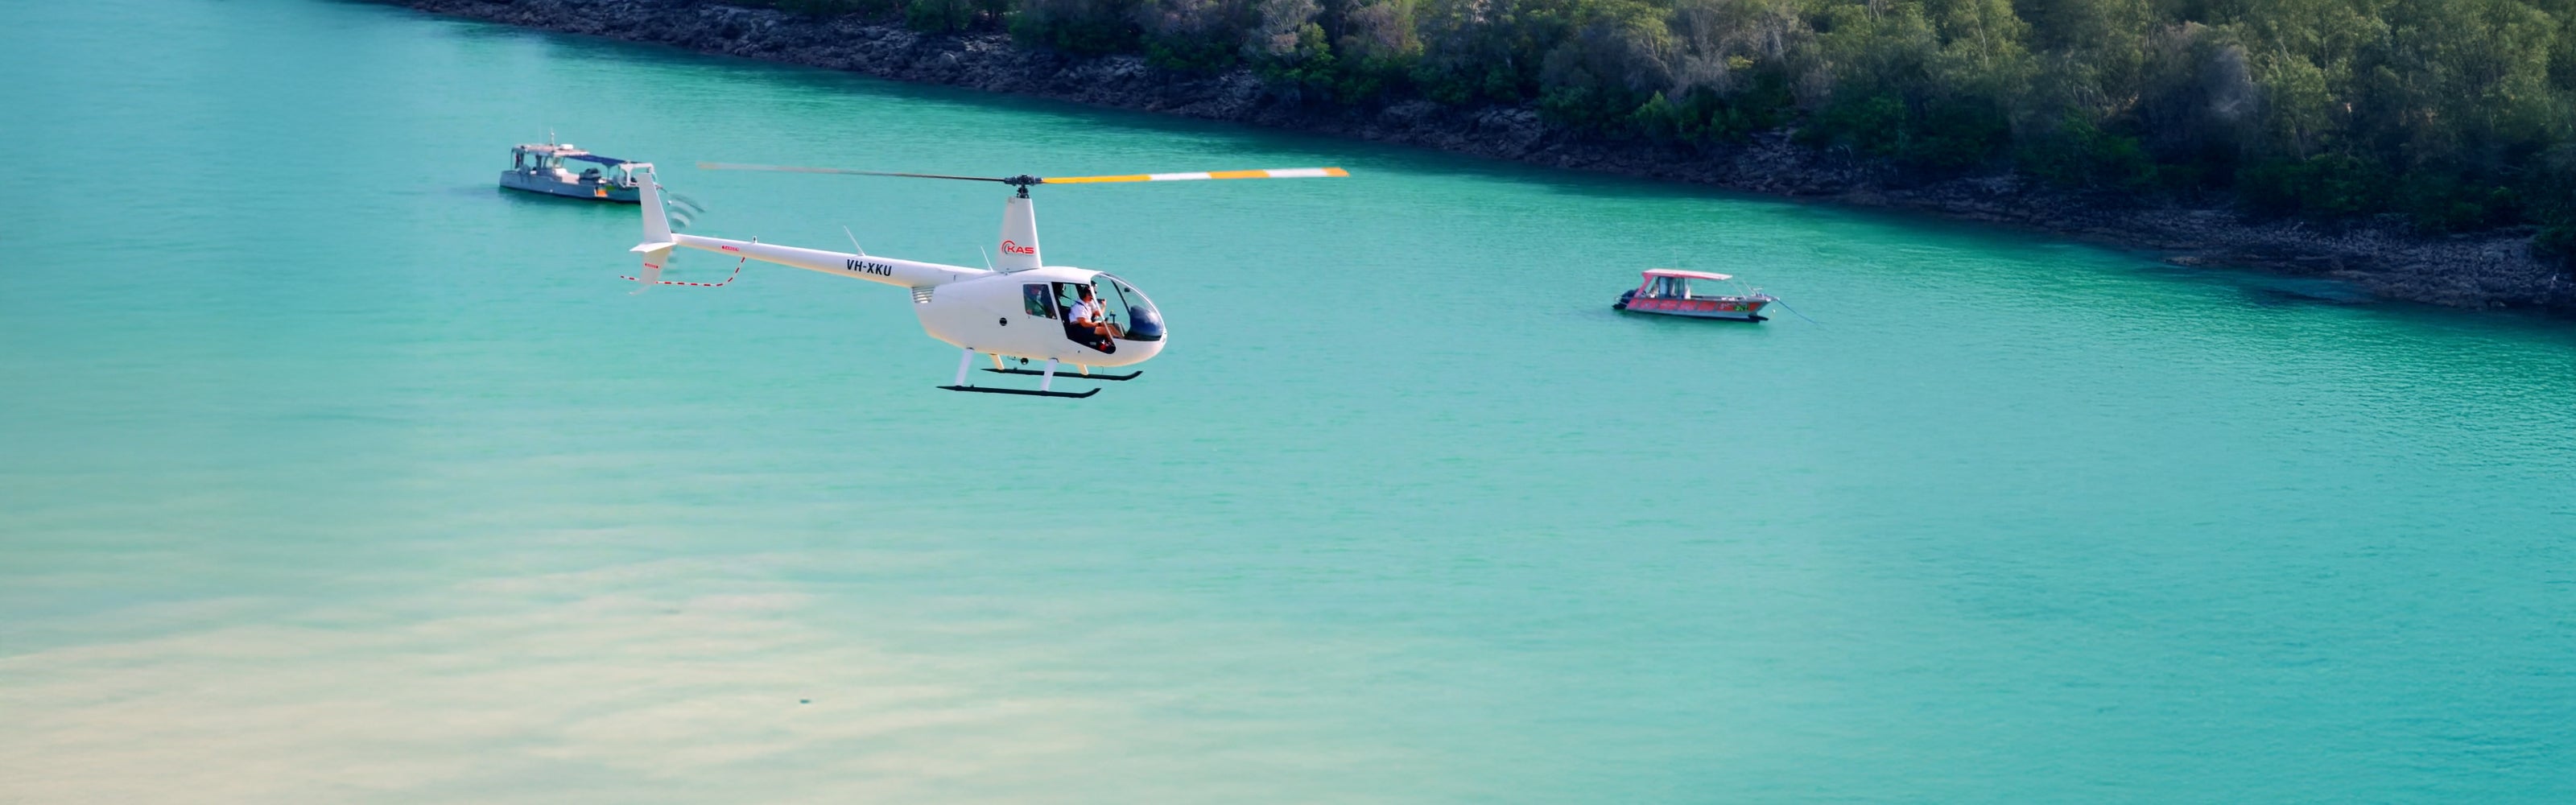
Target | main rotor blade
(1272,173)
(732,166)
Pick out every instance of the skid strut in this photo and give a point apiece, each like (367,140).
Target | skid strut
(1075,375)
(1085,374)
(967,361)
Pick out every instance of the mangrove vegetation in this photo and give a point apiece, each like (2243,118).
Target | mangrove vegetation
(2454,115)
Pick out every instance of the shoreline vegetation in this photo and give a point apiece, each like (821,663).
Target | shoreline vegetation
(2423,150)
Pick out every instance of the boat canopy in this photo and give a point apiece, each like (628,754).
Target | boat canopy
(566,151)
(1697,275)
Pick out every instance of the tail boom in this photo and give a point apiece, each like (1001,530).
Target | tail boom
(659,241)
(885,270)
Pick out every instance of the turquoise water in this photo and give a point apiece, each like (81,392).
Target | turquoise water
(330,473)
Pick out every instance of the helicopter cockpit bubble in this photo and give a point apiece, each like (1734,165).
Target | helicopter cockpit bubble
(1117,312)
(1134,313)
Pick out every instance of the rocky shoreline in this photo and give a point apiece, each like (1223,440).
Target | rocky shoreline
(2487,270)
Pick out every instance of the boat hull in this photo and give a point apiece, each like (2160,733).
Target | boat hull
(1732,308)
(595,191)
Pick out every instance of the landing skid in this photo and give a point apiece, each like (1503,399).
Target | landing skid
(1074,375)
(1025,392)
(1046,379)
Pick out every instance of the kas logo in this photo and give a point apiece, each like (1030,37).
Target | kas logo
(1012,247)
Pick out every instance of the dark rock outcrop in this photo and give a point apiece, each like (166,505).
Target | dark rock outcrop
(2489,270)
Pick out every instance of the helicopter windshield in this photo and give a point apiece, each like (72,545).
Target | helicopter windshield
(1133,313)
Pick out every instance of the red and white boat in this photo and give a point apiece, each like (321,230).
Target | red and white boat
(1671,292)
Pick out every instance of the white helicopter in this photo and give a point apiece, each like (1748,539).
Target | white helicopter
(1019,308)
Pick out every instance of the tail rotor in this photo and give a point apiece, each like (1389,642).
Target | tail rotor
(682,210)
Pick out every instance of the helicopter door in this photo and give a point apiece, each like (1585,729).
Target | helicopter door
(1068,298)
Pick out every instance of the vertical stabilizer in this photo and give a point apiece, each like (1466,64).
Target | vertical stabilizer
(656,248)
(657,221)
(1019,237)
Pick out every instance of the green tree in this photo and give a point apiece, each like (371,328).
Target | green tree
(2456,113)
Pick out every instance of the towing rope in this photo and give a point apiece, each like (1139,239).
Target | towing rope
(737,274)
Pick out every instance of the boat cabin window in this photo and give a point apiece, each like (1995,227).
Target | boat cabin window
(1667,287)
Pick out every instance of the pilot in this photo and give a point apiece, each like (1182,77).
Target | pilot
(1089,313)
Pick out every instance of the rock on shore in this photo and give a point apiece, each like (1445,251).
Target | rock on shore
(2489,270)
